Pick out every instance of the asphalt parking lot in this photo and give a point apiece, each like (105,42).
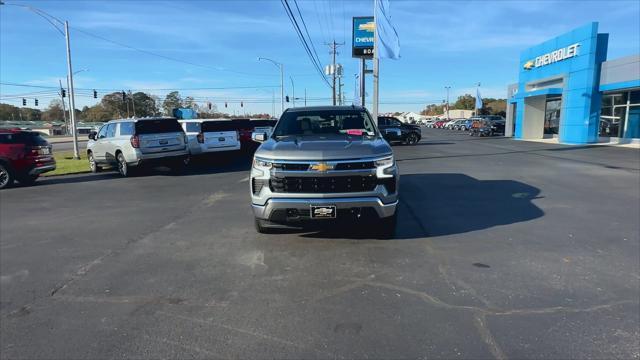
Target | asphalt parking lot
(504,249)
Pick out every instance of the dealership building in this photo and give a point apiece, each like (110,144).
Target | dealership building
(567,89)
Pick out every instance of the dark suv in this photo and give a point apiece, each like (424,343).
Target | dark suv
(394,130)
(24,155)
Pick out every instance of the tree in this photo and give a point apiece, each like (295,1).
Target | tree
(9,112)
(96,113)
(54,112)
(171,101)
(465,102)
(114,105)
(145,104)
(496,106)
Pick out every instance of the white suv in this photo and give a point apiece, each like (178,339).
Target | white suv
(129,143)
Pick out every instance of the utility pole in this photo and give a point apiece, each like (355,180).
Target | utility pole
(333,46)
(305,96)
(133,104)
(376,71)
(64,109)
(339,90)
(447,87)
(72,110)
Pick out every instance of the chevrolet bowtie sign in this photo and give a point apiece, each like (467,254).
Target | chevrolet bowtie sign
(552,57)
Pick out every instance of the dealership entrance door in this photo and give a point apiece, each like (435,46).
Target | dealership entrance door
(541,116)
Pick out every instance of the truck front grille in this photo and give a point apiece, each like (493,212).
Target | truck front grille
(328,184)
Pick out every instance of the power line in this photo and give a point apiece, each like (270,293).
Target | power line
(170,58)
(303,40)
(150,89)
(307,31)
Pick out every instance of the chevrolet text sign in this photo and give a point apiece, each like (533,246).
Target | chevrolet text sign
(363,37)
(553,57)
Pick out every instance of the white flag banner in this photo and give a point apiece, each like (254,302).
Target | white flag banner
(387,42)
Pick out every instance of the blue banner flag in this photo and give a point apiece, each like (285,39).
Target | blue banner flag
(478,99)
(387,41)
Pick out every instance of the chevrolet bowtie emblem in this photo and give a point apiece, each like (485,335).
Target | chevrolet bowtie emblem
(529,65)
(322,167)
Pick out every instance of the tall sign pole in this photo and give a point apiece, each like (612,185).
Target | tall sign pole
(363,33)
(72,98)
(376,69)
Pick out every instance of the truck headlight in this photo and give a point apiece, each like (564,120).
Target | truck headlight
(384,167)
(262,164)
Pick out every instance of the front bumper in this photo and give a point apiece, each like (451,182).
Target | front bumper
(275,205)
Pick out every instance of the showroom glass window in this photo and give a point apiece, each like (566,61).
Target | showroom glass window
(620,115)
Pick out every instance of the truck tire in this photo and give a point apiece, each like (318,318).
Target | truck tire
(387,226)
(93,166)
(6,176)
(123,167)
(259,228)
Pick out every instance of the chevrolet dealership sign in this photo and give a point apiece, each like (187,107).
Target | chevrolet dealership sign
(553,57)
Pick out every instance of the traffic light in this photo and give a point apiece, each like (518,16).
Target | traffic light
(209,105)
(124,96)
(241,104)
(36,102)
(286,98)
(95,94)
(24,102)
(225,104)
(64,92)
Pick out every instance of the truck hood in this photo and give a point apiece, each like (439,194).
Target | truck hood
(320,147)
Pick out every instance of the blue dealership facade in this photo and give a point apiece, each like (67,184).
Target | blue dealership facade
(567,89)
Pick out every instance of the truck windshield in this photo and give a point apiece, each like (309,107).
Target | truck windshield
(318,122)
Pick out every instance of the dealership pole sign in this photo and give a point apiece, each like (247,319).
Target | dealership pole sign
(553,57)
(363,37)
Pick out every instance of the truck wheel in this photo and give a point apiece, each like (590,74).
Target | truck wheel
(412,139)
(387,226)
(6,176)
(259,228)
(93,166)
(123,167)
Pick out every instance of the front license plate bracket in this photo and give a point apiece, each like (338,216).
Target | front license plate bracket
(323,211)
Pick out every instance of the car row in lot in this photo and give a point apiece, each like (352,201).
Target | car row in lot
(482,125)
(130,144)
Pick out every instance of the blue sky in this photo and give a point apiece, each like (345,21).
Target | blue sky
(455,43)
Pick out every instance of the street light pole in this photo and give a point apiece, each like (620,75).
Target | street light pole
(293,91)
(281,67)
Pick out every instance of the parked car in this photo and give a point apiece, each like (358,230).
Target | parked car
(465,125)
(324,163)
(448,124)
(128,144)
(263,125)
(24,155)
(429,123)
(211,135)
(394,130)
(440,124)
(245,129)
(456,123)
(495,127)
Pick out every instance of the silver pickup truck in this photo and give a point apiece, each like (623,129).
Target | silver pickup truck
(321,164)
